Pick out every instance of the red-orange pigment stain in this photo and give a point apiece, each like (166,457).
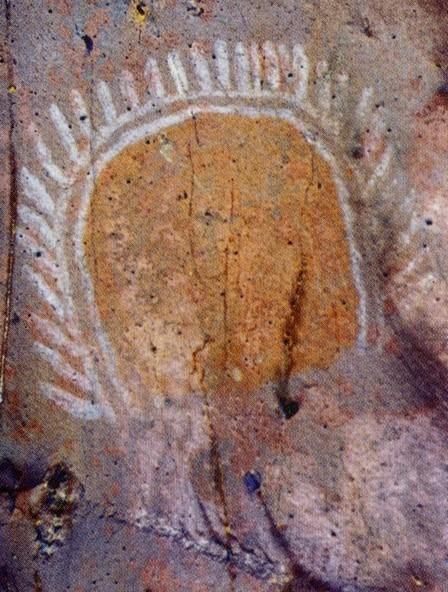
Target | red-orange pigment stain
(219,257)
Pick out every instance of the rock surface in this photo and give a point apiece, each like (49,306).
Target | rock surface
(223,296)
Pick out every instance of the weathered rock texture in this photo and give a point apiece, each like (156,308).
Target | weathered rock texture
(223,296)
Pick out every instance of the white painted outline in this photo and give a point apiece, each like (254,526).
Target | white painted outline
(250,79)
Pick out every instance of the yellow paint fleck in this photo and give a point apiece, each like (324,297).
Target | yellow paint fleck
(139,12)
(237,375)
(12,89)
(417,581)
(166,149)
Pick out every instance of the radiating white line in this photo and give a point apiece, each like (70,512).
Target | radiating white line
(57,336)
(62,367)
(62,126)
(242,68)
(222,64)
(363,104)
(46,160)
(46,264)
(256,66)
(128,89)
(301,72)
(77,407)
(323,88)
(376,126)
(39,244)
(106,102)
(31,243)
(36,222)
(46,291)
(81,113)
(36,192)
(285,62)
(178,73)
(152,73)
(271,65)
(202,70)
(380,169)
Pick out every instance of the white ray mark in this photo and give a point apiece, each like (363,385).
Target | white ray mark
(301,71)
(242,69)
(81,113)
(106,102)
(363,105)
(63,128)
(42,262)
(46,291)
(380,169)
(32,244)
(36,192)
(43,243)
(62,367)
(77,407)
(58,338)
(222,64)
(178,73)
(128,89)
(286,66)
(257,70)
(46,160)
(202,70)
(152,73)
(31,219)
(323,87)
(376,127)
(271,65)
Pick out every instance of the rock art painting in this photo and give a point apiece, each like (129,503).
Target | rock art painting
(223,360)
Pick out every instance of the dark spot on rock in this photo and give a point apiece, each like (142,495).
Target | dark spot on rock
(52,505)
(428,222)
(88,43)
(357,152)
(367,29)
(252,481)
(289,408)
(141,8)
(59,475)
(15,319)
(194,8)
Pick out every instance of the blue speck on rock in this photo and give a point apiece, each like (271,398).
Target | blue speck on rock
(252,481)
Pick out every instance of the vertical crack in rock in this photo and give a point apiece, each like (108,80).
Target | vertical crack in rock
(292,322)
(215,456)
(190,218)
(226,281)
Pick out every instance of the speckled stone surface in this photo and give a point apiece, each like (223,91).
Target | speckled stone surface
(223,240)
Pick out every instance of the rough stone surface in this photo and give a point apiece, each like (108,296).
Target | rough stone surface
(223,296)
